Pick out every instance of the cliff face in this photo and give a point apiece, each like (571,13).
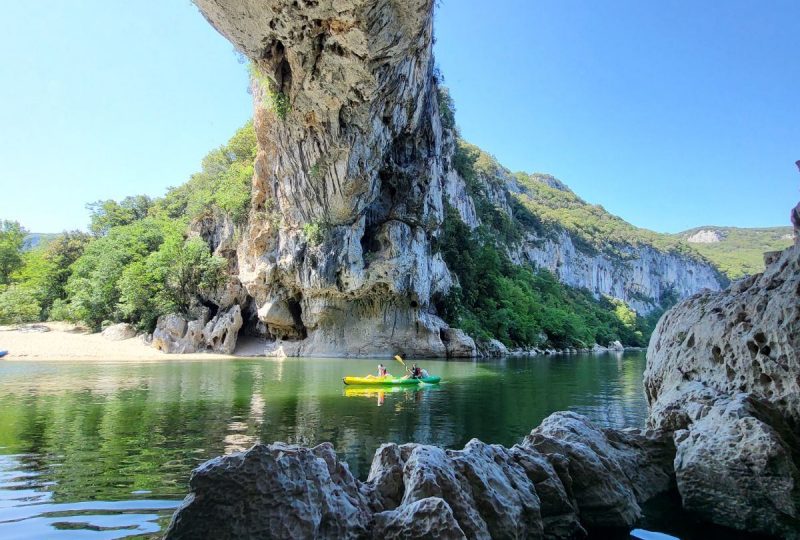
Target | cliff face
(347,194)
(723,373)
(353,172)
(642,276)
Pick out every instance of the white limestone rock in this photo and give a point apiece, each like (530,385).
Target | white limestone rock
(119,332)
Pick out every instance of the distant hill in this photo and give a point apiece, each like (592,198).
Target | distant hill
(737,252)
(34,240)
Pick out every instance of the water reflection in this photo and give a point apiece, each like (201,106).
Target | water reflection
(27,510)
(113,433)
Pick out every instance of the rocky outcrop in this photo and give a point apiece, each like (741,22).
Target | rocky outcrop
(339,255)
(641,275)
(174,334)
(119,332)
(347,194)
(706,236)
(743,339)
(567,476)
(723,374)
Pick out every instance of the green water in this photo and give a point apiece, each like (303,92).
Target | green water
(104,449)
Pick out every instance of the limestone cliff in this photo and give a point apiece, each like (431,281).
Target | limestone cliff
(353,173)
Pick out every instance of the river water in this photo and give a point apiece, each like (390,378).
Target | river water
(102,450)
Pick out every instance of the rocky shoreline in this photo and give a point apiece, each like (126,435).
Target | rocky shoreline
(722,385)
(565,478)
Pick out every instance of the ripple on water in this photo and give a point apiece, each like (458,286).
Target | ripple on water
(27,510)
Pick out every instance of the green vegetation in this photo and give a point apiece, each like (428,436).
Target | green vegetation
(314,232)
(740,252)
(520,306)
(594,229)
(276,100)
(139,262)
(12,240)
(223,184)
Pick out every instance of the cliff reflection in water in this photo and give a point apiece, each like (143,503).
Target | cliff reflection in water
(105,431)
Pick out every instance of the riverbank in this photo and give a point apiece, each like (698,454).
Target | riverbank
(65,341)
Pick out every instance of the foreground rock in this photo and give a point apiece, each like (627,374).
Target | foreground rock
(723,374)
(566,477)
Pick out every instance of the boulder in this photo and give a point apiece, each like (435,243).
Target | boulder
(734,466)
(615,346)
(458,343)
(492,348)
(273,491)
(119,332)
(543,488)
(426,518)
(175,335)
(723,374)
(744,339)
(610,472)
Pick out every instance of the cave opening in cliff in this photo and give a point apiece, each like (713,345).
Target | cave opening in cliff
(296,310)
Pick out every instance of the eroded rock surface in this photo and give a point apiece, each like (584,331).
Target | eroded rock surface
(743,339)
(174,334)
(339,256)
(542,488)
(723,374)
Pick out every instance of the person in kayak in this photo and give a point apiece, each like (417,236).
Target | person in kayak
(382,372)
(414,373)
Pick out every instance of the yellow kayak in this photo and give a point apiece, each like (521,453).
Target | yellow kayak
(388,380)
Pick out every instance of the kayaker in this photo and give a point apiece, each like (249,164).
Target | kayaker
(382,371)
(415,373)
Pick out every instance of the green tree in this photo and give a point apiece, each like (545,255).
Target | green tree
(12,241)
(109,213)
(18,305)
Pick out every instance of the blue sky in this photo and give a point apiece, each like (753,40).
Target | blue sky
(671,114)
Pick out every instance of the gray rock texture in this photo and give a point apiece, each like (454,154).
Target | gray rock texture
(542,488)
(119,332)
(174,334)
(723,374)
(354,168)
(743,339)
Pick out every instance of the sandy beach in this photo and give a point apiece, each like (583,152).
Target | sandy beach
(65,341)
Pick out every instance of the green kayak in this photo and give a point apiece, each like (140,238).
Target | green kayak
(388,381)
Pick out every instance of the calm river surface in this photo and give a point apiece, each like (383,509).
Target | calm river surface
(104,449)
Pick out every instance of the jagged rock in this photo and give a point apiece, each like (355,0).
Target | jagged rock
(597,348)
(119,332)
(734,466)
(615,346)
(542,488)
(425,518)
(457,343)
(492,348)
(221,332)
(275,491)
(746,338)
(610,472)
(723,373)
(174,334)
